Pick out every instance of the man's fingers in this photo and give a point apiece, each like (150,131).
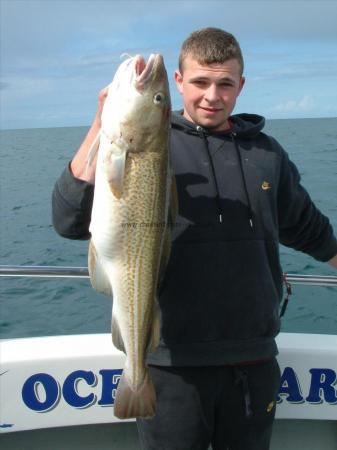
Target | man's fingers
(101,99)
(103,94)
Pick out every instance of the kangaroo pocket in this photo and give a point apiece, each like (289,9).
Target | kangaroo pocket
(220,290)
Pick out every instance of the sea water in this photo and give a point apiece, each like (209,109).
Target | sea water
(31,161)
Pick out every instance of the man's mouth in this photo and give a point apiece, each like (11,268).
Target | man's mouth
(211,110)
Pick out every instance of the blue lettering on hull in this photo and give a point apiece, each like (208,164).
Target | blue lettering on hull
(322,387)
(52,391)
(41,392)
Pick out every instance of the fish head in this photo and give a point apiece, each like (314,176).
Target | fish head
(136,112)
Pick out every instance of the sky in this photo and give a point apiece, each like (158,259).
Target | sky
(55,56)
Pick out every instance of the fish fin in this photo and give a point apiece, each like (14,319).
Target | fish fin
(172,215)
(165,254)
(98,277)
(174,203)
(117,339)
(115,169)
(154,334)
(130,403)
(93,149)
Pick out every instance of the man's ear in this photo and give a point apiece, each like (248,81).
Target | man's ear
(242,83)
(179,81)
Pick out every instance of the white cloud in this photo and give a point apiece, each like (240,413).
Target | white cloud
(304,104)
(56,57)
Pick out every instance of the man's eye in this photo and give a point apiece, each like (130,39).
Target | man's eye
(200,83)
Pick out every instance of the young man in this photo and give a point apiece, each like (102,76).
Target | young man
(215,370)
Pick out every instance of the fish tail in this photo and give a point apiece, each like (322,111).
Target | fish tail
(131,403)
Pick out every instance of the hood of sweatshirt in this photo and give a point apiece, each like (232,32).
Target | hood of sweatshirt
(245,126)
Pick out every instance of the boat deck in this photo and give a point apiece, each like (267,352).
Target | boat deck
(288,435)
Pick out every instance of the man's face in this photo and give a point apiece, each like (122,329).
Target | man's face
(209,92)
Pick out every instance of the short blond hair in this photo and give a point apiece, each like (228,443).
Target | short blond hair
(209,46)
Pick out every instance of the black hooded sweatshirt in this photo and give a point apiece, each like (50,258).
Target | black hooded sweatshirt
(239,196)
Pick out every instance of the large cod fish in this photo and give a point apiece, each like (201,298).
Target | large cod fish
(129,235)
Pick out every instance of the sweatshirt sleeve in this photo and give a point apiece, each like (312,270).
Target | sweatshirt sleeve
(71,206)
(301,225)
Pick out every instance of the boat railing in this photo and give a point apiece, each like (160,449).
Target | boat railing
(82,272)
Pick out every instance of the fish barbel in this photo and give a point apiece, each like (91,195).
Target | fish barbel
(129,219)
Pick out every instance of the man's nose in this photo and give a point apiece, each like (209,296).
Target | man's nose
(212,93)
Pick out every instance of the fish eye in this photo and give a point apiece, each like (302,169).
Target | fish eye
(158,98)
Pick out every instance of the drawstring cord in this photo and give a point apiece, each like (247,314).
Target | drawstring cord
(203,135)
(241,377)
(243,179)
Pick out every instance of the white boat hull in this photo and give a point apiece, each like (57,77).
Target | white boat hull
(69,381)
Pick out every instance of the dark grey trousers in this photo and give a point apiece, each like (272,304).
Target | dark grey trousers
(230,408)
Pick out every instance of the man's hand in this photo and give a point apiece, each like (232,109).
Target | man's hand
(101,100)
(78,165)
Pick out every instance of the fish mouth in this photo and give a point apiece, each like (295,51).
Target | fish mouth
(144,70)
